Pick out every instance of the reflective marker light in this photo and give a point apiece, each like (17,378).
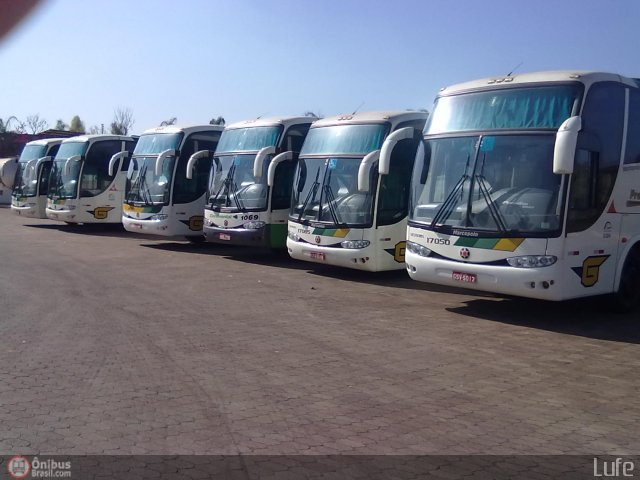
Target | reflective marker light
(418,249)
(253,225)
(355,244)
(532,261)
(160,216)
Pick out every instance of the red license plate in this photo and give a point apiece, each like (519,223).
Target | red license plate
(136,225)
(224,236)
(465,277)
(317,255)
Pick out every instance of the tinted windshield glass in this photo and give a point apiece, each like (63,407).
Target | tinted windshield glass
(233,186)
(344,140)
(144,186)
(33,152)
(248,139)
(154,144)
(326,190)
(500,184)
(64,184)
(514,108)
(26,180)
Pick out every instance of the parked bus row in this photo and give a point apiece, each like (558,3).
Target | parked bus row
(525,185)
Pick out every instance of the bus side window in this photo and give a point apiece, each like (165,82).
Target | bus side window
(597,156)
(393,203)
(281,190)
(632,153)
(294,138)
(95,171)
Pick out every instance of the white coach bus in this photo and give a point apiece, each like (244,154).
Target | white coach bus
(529,185)
(161,199)
(87,179)
(351,190)
(31,186)
(250,181)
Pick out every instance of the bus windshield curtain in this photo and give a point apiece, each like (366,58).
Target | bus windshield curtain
(344,140)
(517,108)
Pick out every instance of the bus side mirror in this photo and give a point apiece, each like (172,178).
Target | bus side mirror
(8,169)
(115,158)
(257,163)
(388,146)
(67,164)
(160,160)
(42,160)
(271,173)
(365,168)
(565,147)
(192,161)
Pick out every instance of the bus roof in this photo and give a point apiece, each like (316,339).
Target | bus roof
(93,138)
(45,141)
(586,77)
(392,116)
(184,129)
(271,121)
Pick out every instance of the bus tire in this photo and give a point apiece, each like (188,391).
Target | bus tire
(627,298)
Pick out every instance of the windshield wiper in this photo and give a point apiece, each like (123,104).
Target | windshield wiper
(450,202)
(493,208)
(331,205)
(225,187)
(311,195)
(134,194)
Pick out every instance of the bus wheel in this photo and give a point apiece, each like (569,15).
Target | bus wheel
(627,298)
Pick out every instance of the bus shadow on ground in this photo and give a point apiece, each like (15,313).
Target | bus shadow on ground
(95,229)
(587,317)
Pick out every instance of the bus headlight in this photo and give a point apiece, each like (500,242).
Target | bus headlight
(355,244)
(293,236)
(418,249)
(532,261)
(159,216)
(253,225)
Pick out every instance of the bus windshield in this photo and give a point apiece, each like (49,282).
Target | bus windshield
(250,139)
(543,107)
(326,190)
(26,179)
(498,184)
(65,184)
(233,188)
(344,139)
(143,186)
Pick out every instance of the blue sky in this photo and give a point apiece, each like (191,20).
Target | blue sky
(196,59)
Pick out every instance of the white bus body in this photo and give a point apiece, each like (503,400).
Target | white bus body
(160,199)
(250,181)
(529,185)
(81,188)
(8,168)
(29,198)
(350,195)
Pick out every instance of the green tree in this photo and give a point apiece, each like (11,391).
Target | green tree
(76,125)
(60,125)
(217,121)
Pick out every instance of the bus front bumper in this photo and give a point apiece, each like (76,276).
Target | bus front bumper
(359,259)
(246,237)
(149,227)
(28,210)
(543,283)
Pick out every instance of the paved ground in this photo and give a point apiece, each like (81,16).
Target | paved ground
(113,343)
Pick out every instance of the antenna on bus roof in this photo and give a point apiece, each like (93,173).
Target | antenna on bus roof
(358,108)
(514,69)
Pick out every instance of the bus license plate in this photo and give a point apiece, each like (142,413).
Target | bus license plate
(317,255)
(136,225)
(465,277)
(224,236)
